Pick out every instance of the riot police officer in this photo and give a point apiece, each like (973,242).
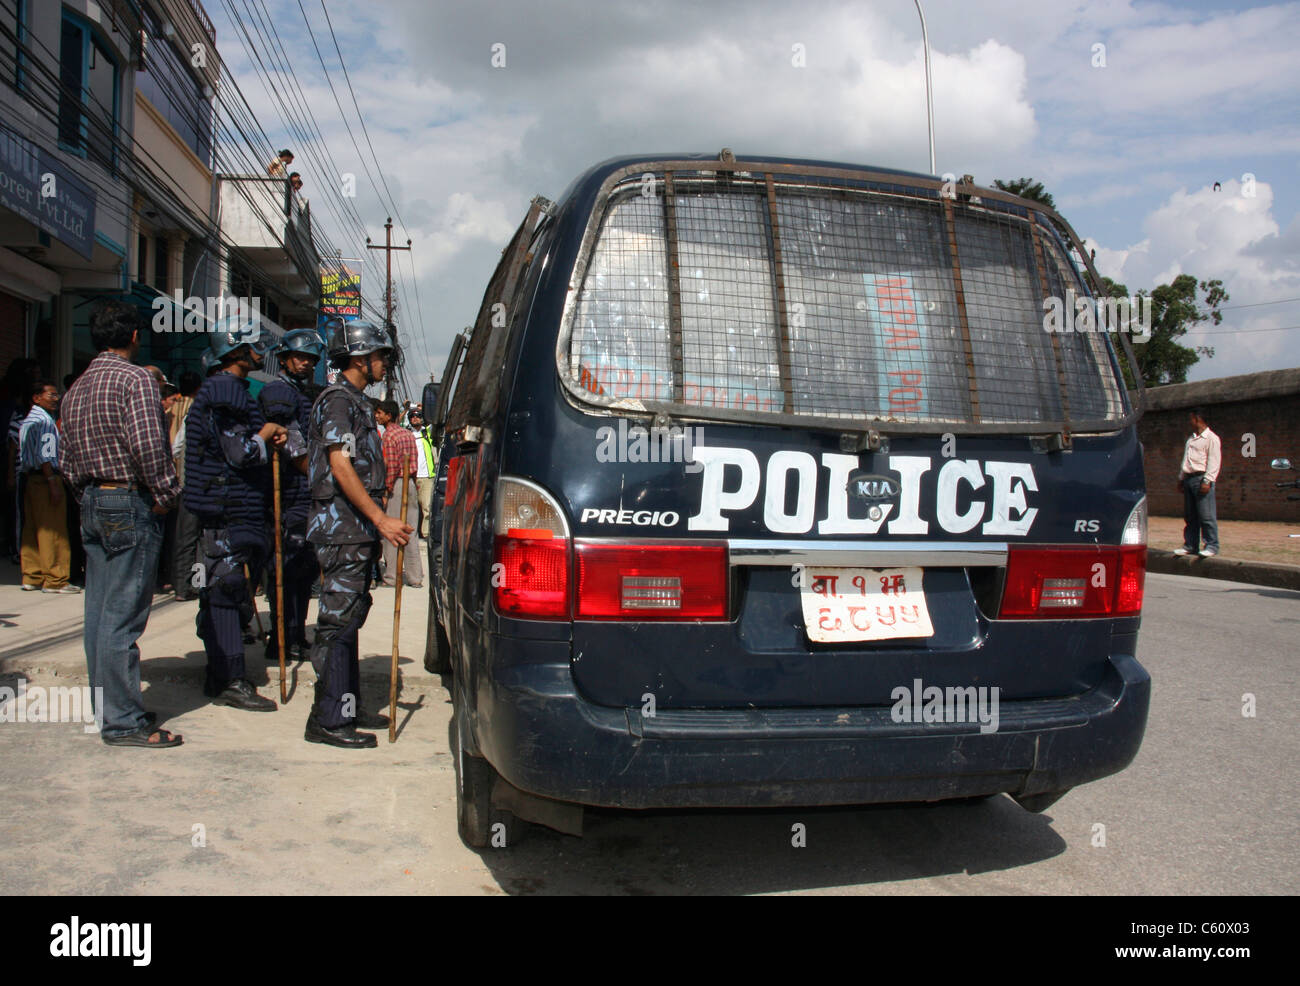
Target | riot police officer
(346,475)
(286,401)
(227,487)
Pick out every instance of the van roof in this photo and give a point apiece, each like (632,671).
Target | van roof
(587,184)
(599,171)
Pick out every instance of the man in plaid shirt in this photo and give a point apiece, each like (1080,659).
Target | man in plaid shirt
(399,451)
(117,459)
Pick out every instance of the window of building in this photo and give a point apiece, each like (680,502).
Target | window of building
(13,15)
(88,103)
(160,264)
(170,84)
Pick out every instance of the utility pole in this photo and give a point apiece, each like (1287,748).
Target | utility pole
(388,249)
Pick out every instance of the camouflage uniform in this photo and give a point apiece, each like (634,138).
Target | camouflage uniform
(346,545)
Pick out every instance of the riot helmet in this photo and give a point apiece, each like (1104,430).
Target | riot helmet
(357,337)
(230,334)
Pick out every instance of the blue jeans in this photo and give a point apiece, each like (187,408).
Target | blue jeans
(122,537)
(1199,520)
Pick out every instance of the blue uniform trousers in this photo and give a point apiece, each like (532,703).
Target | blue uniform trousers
(345,600)
(300,571)
(225,598)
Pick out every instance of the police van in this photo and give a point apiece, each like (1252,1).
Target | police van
(775,482)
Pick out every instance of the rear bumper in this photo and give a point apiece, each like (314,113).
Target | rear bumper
(544,738)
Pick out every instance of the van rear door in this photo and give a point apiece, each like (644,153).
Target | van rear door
(896,471)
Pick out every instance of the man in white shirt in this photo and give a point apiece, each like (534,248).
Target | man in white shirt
(1202,456)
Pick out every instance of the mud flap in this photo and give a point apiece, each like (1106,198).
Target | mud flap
(1039,802)
(558,815)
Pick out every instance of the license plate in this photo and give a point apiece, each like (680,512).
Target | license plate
(842,605)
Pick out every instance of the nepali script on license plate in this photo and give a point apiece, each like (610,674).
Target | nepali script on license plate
(842,605)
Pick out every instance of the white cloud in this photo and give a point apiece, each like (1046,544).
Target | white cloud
(1187,97)
(1223,64)
(1234,238)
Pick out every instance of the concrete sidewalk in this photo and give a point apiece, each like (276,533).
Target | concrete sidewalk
(41,633)
(1257,552)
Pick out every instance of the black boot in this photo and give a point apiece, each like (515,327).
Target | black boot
(370,720)
(346,737)
(240,694)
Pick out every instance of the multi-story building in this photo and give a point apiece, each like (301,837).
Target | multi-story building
(111,184)
(65,198)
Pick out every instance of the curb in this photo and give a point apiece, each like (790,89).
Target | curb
(1228,569)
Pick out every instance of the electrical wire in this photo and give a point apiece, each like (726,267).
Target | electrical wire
(265,30)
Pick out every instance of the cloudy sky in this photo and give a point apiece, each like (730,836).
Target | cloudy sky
(1188,95)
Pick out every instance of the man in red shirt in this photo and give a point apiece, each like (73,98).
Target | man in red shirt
(399,449)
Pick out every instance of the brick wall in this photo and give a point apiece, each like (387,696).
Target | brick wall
(1266,405)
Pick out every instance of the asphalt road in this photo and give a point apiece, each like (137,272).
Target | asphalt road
(1210,806)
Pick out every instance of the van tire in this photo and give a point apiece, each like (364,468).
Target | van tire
(480,825)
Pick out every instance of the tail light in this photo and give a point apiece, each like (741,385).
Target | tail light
(652,582)
(1078,581)
(530,574)
(1133,561)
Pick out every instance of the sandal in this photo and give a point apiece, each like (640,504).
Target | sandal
(142,737)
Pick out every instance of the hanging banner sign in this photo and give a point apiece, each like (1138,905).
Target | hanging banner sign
(340,295)
(36,186)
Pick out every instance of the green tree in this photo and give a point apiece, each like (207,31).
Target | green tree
(1176,309)
(1027,188)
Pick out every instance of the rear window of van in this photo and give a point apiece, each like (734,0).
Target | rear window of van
(737,295)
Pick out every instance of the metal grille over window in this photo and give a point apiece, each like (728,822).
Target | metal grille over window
(845,301)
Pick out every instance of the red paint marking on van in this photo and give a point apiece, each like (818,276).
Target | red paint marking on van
(898,308)
(453,475)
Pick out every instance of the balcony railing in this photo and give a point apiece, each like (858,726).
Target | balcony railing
(202,15)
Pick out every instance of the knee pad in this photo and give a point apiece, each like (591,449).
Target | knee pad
(227,587)
(340,612)
(332,625)
(354,616)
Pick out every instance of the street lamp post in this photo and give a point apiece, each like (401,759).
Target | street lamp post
(929,95)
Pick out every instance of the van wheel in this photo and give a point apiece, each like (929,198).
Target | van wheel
(481,826)
(437,648)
